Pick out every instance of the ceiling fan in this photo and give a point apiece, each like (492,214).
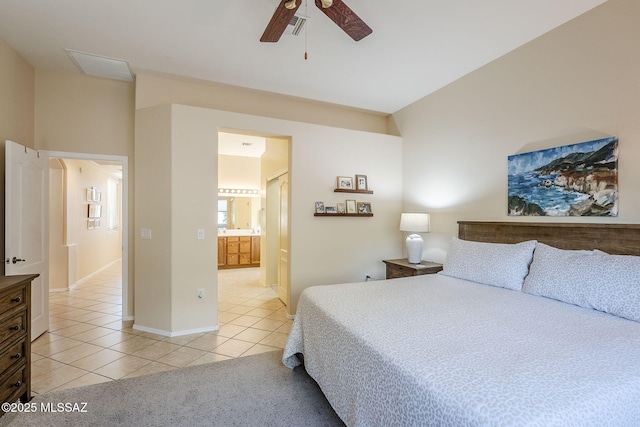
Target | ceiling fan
(336,10)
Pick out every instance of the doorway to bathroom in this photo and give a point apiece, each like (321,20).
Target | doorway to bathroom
(249,308)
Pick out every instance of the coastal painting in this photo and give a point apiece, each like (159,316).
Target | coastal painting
(572,180)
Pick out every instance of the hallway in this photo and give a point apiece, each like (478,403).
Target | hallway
(87,343)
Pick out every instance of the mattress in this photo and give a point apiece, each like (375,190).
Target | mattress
(435,350)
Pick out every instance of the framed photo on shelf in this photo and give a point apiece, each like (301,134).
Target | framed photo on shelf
(341,208)
(320,207)
(364,207)
(344,183)
(351,206)
(361,182)
(330,209)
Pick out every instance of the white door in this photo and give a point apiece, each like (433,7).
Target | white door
(283,264)
(271,233)
(27,226)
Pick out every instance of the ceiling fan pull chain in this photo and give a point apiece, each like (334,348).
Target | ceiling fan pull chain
(306,12)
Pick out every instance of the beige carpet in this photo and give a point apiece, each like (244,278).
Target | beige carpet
(249,391)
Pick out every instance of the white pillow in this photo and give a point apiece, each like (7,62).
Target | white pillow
(496,264)
(597,280)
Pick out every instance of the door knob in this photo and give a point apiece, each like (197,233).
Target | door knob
(16,260)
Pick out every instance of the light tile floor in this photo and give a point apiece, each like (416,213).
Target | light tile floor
(87,342)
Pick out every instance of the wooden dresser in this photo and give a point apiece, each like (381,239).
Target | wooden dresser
(15,338)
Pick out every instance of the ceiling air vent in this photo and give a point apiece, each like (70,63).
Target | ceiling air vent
(296,25)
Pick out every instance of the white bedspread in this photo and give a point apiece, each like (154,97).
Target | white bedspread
(434,350)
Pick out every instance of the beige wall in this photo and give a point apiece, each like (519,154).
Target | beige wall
(155,90)
(84,114)
(81,114)
(153,211)
(576,83)
(238,172)
(275,158)
(194,203)
(17,88)
(327,250)
(75,251)
(95,248)
(176,194)
(319,246)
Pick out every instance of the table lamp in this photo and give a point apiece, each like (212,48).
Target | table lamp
(414,222)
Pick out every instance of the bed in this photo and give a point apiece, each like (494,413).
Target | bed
(526,325)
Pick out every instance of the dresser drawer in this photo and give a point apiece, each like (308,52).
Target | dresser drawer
(232,259)
(14,326)
(245,259)
(14,385)
(13,355)
(12,298)
(15,338)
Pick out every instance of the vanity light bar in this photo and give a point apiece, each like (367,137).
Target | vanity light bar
(237,191)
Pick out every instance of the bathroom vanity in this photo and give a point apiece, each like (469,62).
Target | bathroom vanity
(237,249)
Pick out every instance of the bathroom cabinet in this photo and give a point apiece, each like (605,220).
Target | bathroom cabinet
(238,251)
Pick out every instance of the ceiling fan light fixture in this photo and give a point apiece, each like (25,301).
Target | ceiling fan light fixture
(337,11)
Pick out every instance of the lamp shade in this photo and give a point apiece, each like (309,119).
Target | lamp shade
(414,222)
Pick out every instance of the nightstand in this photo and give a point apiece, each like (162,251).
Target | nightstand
(401,268)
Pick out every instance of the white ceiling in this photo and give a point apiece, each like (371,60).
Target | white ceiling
(235,144)
(417,46)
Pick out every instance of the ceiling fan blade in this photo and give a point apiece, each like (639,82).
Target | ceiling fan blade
(279,22)
(346,19)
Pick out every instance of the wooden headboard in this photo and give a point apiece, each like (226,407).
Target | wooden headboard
(621,239)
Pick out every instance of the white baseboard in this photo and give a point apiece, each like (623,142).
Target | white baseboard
(175,333)
(84,279)
(90,275)
(57,290)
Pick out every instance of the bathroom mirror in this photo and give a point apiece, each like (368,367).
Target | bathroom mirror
(238,212)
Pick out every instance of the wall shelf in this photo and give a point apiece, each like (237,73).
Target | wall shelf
(341,190)
(344,214)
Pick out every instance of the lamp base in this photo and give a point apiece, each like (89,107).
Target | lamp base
(414,248)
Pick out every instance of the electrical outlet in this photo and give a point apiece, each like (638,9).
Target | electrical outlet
(200,293)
